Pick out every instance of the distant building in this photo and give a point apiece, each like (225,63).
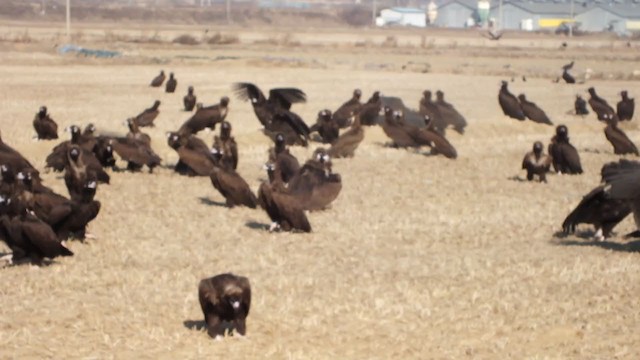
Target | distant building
(402,17)
(621,18)
(532,16)
(457,13)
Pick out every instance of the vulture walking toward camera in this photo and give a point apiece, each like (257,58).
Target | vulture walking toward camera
(189,100)
(537,163)
(509,103)
(625,107)
(565,158)
(345,113)
(274,112)
(429,108)
(532,111)
(206,117)
(46,128)
(225,300)
(158,80)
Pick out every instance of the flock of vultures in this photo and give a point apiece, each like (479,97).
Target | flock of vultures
(35,221)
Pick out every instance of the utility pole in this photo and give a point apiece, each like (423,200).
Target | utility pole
(572,20)
(500,15)
(373,12)
(69,19)
(228,12)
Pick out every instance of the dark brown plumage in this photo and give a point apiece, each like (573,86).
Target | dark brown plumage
(622,182)
(348,142)
(285,163)
(580,106)
(46,128)
(58,159)
(146,117)
(206,117)
(509,103)
(370,110)
(532,111)
(448,113)
(30,237)
(12,158)
(439,144)
(315,186)
(225,298)
(158,80)
(274,113)
(618,138)
(326,126)
(189,100)
(342,117)
(137,153)
(232,186)
(429,108)
(600,106)
(598,209)
(195,158)
(625,107)
(170,87)
(284,209)
(567,77)
(226,147)
(565,158)
(537,163)
(400,133)
(76,173)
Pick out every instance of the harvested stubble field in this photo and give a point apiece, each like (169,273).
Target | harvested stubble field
(419,257)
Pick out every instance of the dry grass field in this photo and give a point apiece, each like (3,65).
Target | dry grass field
(420,257)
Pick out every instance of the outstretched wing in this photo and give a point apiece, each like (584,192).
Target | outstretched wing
(247,91)
(284,97)
(623,179)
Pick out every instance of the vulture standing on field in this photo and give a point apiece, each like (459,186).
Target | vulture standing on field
(598,209)
(370,110)
(509,103)
(622,180)
(439,144)
(565,158)
(348,142)
(274,113)
(449,114)
(135,149)
(326,126)
(46,128)
(600,106)
(146,117)
(580,106)
(284,209)
(429,108)
(532,111)
(87,143)
(285,163)
(625,107)
(402,134)
(189,100)
(348,110)
(231,185)
(195,158)
(158,80)
(170,87)
(10,157)
(618,138)
(537,163)
(206,117)
(225,300)
(29,237)
(226,147)
(315,186)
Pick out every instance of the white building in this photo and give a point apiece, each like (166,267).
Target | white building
(402,17)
